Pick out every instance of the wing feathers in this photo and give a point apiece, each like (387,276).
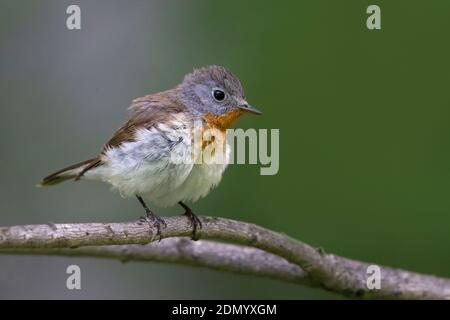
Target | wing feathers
(146,112)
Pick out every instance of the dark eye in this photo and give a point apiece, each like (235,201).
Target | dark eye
(218,94)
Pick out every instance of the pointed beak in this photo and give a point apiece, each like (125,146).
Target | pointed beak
(248,108)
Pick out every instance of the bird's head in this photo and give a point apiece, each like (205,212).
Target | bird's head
(214,91)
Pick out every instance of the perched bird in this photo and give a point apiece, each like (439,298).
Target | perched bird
(155,153)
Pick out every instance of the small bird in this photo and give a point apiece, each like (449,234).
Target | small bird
(154,154)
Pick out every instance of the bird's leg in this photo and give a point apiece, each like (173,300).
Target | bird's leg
(194,220)
(152,219)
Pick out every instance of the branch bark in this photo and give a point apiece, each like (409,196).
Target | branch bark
(270,254)
(183,251)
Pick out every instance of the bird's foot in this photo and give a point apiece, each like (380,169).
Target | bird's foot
(154,222)
(194,222)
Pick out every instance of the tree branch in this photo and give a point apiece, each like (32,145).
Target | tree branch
(334,273)
(203,253)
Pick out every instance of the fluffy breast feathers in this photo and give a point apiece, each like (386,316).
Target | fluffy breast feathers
(160,153)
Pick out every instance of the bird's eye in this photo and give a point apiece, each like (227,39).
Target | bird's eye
(218,94)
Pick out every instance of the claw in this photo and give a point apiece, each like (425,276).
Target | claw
(152,219)
(194,222)
(155,222)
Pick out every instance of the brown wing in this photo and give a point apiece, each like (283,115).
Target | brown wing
(145,112)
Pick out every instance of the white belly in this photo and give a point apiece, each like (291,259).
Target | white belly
(155,167)
(200,180)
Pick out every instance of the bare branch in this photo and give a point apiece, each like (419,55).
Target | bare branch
(332,272)
(203,253)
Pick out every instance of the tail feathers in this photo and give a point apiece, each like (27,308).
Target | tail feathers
(74,171)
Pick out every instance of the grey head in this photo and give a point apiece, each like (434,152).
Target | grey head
(215,90)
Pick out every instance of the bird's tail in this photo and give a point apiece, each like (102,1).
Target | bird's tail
(75,171)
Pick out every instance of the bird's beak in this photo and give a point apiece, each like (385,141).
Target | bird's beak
(248,108)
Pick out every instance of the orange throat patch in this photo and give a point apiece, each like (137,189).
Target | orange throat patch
(223,121)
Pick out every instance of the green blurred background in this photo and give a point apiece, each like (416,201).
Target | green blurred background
(363,118)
